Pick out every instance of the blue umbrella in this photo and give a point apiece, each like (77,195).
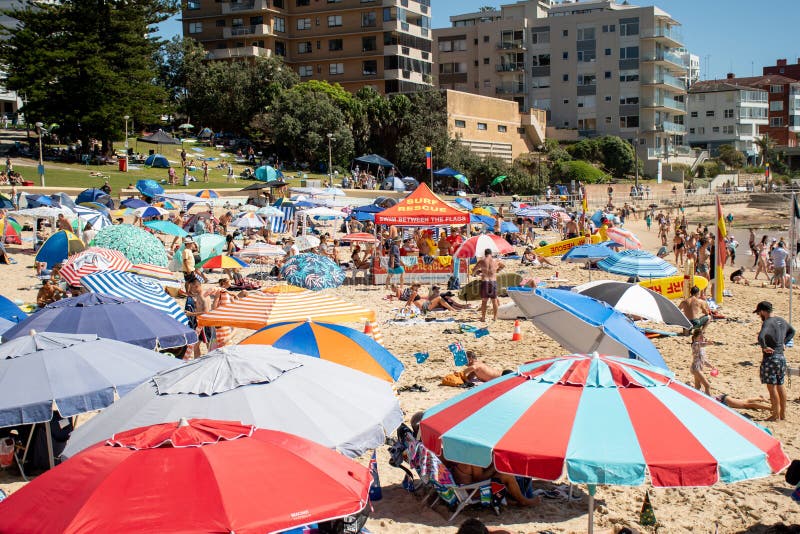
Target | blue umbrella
(34,201)
(637,263)
(5,324)
(95,195)
(59,247)
(508,226)
(77,373)
(167,227)
(481,219)
(132,286)
(464,203)
(312,271)
(266,173)
(447,172)
(117,318)
(374,159)
(10,311)
(149,188)
(587,253)
(531,213)
(134,203)
(585,325)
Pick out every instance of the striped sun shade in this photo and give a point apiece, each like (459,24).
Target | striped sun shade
(93,260)
(285,303)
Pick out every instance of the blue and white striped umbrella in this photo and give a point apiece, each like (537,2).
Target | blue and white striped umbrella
(637,263)
(132,286)
(97,219)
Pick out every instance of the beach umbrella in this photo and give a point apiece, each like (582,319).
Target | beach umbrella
(11,231)
(209,245)
(265,173)
(374,159)
(330,404)
(499,180)
(167,205)
(207,193)
(136,244)
(325,212)
(359,237)
(37,201)
(481,211)
(447,172)
(549,207)
(202,461)
(5,202)
(305,242)
(150,211)
(10,311)
(133,286)
(332,342)
(249,220)
(149,188)
(166,227)
(624,237)
(312,271)
(583,324)
(637,263)
(261,249)
(97,219)
(44,212)
(222,262)
(95,195)
(186,126)
(508,226)
(270,212)
(59,247)
(481,219)
(333,192)
(633,299)
(587,253)
(464,203)
(162,274)
(133,203)
(5,325)
(532,213)
(475,246)
(609,421)
(117,318)
(284,303)
(92,260)
(77,373)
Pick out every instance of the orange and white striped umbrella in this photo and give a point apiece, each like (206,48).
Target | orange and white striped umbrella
(285,303)
(93,260)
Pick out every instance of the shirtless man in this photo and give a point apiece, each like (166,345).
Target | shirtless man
(702,259)
(477,369)
(696,310)
(571,229)
(469,474)
(487,268)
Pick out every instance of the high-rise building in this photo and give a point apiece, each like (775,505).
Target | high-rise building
(385,44)
(597,66)
(10,102)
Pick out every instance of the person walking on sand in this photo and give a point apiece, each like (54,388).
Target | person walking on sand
(699,361)
(774,335)
(487,268)
(395,266)
(696,310)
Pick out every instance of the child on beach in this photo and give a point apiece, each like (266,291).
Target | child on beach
(699,361)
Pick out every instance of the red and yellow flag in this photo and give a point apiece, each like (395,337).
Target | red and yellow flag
(721,256)
(584,201)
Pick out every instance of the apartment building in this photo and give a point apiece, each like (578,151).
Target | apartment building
(783,68)
(10,102)
(385,44)
(723,112)
(597,67)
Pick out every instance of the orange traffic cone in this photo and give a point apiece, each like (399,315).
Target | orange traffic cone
(368,329)
(517,332)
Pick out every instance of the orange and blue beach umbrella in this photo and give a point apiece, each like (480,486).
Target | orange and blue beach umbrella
(332,342)
(207,193)
(223,262)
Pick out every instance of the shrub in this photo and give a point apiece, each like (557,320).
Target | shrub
(578,170)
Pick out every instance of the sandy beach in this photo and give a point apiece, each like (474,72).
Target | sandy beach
(751,507)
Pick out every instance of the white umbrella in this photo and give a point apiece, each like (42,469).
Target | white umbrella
(261,249)
(44,212)
(324,212)
(305,242)
(271,212)
(249,220)
(259,385)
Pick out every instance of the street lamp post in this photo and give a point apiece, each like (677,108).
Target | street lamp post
(126,117)
(330,158)
(539,164)
(39,127)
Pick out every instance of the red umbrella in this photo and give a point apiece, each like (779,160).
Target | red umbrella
(197,476)
(475,246)
(360,237)
(93,260)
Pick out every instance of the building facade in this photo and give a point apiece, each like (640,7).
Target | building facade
(725,113)
(385,44)
(597,67)
(10,102)
(494,127)
(783,68)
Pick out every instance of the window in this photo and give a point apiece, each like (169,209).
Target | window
(587,56)
(629,101)
(585,34)
(303,24)
(302,3)
(629,76)
(565,33)
(608,120)
(237,23)
(608,51)
(193,4)
(691,131)
(369,19)
(776,105)
(254,21)
(607,98)
(334,21)
(775,88)
(482,126)
(631,121)
(729,129)
(629,26)
(335,45)
(304,48)
(565,77)
(520,130)
(195,27)
(485,38)
(611,28)
(629,52)
(564,55)
(694,114)
(566,101)
(460,123)
(540,37)
(607,75)
(776,122)
(336,68)
(486,61)
(728,114)
(369,44)
(278,3)
(715,129)
(502,128)
(487,83)
(370,67)
(305,70)
(542,60)
(710,113)
(587,79)
(220,23)
(279,24)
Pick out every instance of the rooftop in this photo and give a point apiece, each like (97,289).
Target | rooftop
(732,83)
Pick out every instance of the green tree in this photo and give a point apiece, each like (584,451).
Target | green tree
(587,149)
(422,124)
(731,157)
(617,155)
(566,171)
(84,65)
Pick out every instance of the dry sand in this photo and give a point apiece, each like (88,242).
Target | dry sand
(745,507)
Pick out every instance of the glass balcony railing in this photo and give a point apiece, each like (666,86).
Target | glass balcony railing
(666,79)
(672,150)
(669,57)
(665,32)
(671,127)
(665,103)
(511,45)
(510,89)
(510,67)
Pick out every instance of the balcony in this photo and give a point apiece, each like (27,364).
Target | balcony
(670,103)
(239,31)
(666,34)
(668,59)
(230,8)
(672,150)
(667,81)
(510,67)
(510,89)
(671,128)
(242,51)
(511,45)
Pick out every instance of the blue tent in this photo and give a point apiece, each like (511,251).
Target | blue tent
(366,213)
(95,195)
(157,160)
(36,201)
(265,173)
(10,311)
(507,226)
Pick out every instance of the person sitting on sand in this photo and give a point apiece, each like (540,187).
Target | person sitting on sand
(755,403)
(476,369)
(737,277)
(425,304)
(476,526)
(360,260)
(469,474)
(448,298)
(48,293)
(696,310)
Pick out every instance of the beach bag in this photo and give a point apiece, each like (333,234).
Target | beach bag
(6,452)
(453,380)
(453,283)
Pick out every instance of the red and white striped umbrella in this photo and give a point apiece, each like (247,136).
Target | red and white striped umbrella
(93,260)
(626,238)
(474,247)
(360,237)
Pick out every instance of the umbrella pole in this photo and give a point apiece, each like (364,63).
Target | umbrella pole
(49,437)
(592,489)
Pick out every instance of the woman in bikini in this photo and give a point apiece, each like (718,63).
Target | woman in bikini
(425,304)
(763,254)
(678,247)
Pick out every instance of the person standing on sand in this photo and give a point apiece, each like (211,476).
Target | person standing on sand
(774,335)
(699,362)
(487,268)
(696,310)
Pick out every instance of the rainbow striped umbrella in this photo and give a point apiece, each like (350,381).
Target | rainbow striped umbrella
(332,342)
(601,420)
(222,262)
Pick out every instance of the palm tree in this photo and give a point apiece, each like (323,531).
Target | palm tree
(766,147)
